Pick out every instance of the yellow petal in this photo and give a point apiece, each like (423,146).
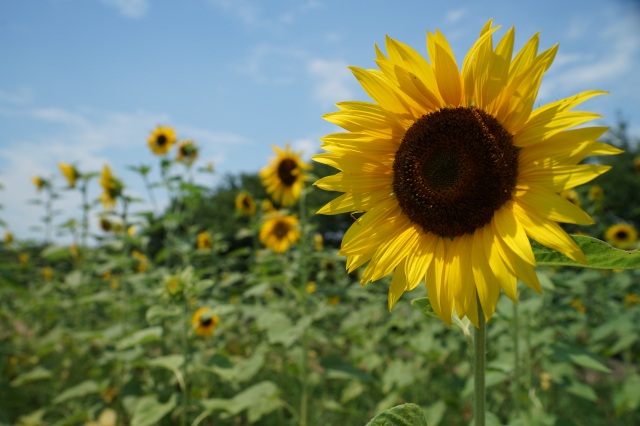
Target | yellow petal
(550,205)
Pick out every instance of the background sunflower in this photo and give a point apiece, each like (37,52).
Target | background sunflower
(285,176)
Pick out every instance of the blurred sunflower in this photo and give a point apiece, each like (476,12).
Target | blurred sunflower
(267,207)
(111,188)
(187,152)
(318,242)
(245,204)
(23,259)
(39,182)
(8,236)
(311,287)
(636,165)
(47,273)
(596,193)
(571,195)
(284,177)
(70,173)
(162,139)
(280,232)
(204,322)
(204,241)
(141,261)
(453,171)
(621,235)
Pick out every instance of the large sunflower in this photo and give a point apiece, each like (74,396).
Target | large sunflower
(453,170)
(284,177)
(162,139)
(279,232)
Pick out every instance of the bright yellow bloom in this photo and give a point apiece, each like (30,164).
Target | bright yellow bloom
(596,192)
(162,139)
(131,231)
(70,173)
(454,170)
(187,152)
(8,236)
(280,232)
(284,177)
(267,207)
(311,287)
(621,235)
(245,204)
(204,241)
(319,242)
(111,188)
(204,322)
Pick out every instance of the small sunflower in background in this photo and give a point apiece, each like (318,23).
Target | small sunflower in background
(8,236)
(39,182)
(141,261)
(70,173)
(267,207)
(311,287)
(112,188)
(161,140)
(204,322)
(279,233)
(454,170)
(572,196)
(284,177)
(204,241)
(596,193)
(621,235)
(245,204)
(636,165)
(47,273)
(318,242)
(23,259)
(187,152)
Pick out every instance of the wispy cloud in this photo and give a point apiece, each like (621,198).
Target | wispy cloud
(272,17)
(454,15)
(270,64)
(129,8)
(332,80)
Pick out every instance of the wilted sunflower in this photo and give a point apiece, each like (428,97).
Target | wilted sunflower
(161,140)
(284,177)
(70,173)
(278,233)
(187,152)
(204,322)
(204,241)
(453,170)
(245,204)
(111,188)
(621,235)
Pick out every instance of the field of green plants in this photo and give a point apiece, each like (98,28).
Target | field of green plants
(227,308)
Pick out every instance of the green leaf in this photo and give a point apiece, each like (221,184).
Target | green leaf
(259,399)
(400,415)
(600,255)
(38,373)
(149,411)
(139,337)
(424,306)
(81,389)
(581,390)
(580,357)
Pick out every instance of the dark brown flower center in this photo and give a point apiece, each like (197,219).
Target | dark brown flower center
(281,229)
(454,168)
(286,170)
(246,202)
(161,140)
(622,235)
(206,322)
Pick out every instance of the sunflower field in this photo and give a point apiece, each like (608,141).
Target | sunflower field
(233,305)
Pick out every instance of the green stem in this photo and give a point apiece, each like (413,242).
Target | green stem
(85,213)
(185,354)
(479,367)
(304,277)
(152,198)
(516,362)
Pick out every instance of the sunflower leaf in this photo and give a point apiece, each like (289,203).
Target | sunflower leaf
(600,255)
(400,415)
(424,306)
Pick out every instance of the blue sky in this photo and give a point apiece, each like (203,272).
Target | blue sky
(87,80)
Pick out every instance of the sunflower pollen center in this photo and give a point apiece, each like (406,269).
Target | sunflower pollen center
(286,170)
(280,230)
(442,170)
(161,140)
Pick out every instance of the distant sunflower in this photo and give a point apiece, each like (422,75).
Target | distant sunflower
(204,241)
(161,140)
(284,177)
(39,182)
(8,236)
(280,232)
(111,188)
(572,196)
(621,235)
(596,193)
(245,204)
(454,171)
(187,152)
(204,322)
(70,173)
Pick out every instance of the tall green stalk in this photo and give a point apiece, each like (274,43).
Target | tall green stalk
(516,361)
(479,368)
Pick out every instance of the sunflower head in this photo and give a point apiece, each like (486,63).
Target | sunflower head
(454,170)
(39,182)
(112,188)
(279,233)
(8,236)
(161,140)
(23,259)
(285,176)
(187,152)
(141,261)
(596,193)
(318,242)
(47,273)
(621,235)
(204,322)
(70,173)
(245,204)
(204,241)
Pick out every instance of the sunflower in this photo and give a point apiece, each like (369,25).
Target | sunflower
(111,188)
(278,233)
(621,235)
(8,236)
(284,177)
(204,241)
(204,322)
(39,182)
(161,140)
(318,242)
(70,173)
(245,204)
(596,193)
(187,152)
(452,171)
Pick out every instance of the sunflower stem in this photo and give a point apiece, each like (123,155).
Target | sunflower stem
(516,362)
(479,367)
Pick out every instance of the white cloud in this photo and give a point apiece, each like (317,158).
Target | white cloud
(20,96)
(269,64)
(332,81)
(307,146)
(129,8)
(455,15)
